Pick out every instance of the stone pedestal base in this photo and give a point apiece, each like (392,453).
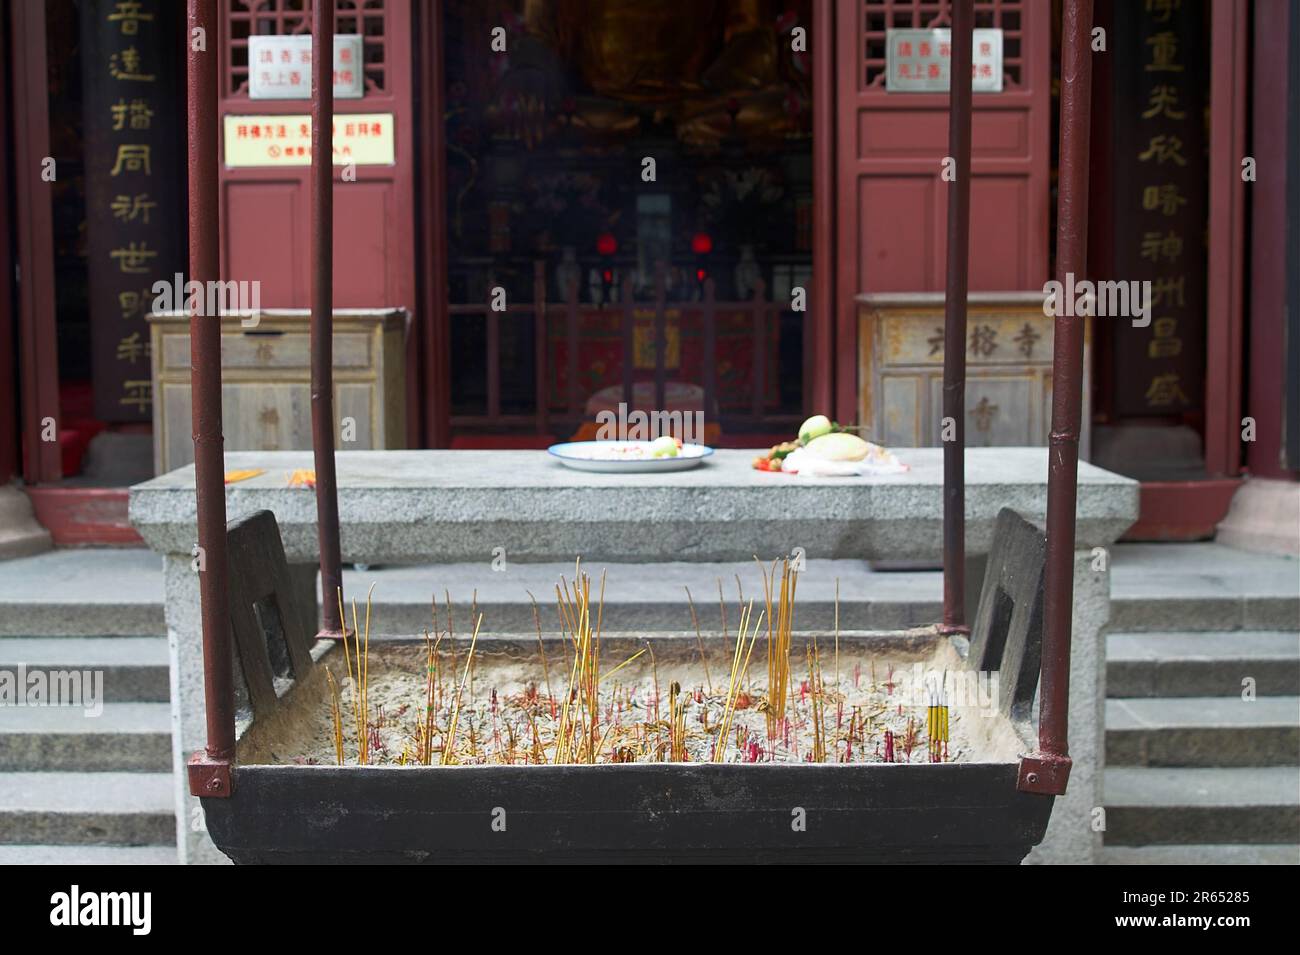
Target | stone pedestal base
(189,714)
(20,534)
(1264,517)
(1074,834)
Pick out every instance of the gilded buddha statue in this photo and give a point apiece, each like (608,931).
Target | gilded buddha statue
(605,66)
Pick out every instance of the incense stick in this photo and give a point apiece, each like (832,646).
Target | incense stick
(448,749)
(699,641)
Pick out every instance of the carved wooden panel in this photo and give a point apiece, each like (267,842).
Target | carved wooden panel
(266,384)
(1008,370)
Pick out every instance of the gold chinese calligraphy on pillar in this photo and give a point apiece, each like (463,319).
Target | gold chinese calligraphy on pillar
(134,171)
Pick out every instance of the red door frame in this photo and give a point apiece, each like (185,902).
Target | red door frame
(1265,385)
(1190,510)
(855,163)
(1225,269)
(9,430)
(37,335)
(73,515)
(399,222)
(435,347)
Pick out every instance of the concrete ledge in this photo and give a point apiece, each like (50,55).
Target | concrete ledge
(455,508)
(411,506)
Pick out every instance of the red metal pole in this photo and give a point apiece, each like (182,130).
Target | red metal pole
(954,321)
(1048,770)
(322,313)
(209,771)
(820,363)
(433,216)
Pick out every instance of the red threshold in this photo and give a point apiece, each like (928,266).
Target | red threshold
(1181,510)
(84,516)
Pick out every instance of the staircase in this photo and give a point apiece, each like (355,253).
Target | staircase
(1195,774)
(78,788)
(1195,771)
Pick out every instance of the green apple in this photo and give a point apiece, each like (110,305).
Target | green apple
(663,447)
(814,427)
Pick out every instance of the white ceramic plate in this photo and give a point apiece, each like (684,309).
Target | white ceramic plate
(625,457)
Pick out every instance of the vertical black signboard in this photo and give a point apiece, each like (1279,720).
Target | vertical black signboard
(135,187)
(1159,68)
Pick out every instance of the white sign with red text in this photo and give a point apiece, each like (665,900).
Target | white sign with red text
(279,67)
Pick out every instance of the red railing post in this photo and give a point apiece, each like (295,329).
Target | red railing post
(629,329)
(209,770)
(710,347)
(954,321)
(571,337)
(661,335)
(492,344)
(540,364)
(759,375)
(322,314)
(1048,770)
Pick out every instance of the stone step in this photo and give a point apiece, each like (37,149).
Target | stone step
(1194,855)
(107,809)
(1203,731)
(1155,587)
(131,737)
(88,855)
(1202,586)
(1212,663)
(1158,806)
(641,596)
(83,593)
(135,669)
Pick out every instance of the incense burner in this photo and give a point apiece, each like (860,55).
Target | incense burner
(589,746)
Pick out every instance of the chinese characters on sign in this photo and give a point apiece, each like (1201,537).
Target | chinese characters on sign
(1160,204)
(279,67)
(362,138)
(134,182)
(919,61)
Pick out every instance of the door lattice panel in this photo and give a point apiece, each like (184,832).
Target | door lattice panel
(883,15)
(245,18)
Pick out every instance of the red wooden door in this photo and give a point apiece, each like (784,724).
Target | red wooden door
(266,211)
(892,205)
